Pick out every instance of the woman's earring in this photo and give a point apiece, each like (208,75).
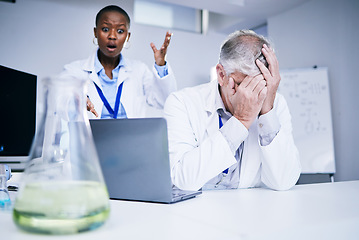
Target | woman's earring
(127,45)
(94,41)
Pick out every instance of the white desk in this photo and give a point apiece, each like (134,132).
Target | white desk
(316,211)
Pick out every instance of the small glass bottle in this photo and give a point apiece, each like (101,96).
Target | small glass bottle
(62,190)
(5,175)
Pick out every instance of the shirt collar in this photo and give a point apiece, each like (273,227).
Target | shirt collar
(99,67)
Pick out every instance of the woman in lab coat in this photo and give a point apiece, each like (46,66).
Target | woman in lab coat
(120,87)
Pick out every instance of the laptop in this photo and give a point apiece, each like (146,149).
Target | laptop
(134,159)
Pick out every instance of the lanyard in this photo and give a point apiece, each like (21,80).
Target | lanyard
(220,125)
(220,121)
(241,148)
(114,111)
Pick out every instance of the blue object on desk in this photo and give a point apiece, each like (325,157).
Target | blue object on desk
(5,175)
(7,172)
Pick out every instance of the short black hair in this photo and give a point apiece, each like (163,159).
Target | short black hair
(112,8)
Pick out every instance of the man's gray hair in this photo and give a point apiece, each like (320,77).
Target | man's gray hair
(240,50)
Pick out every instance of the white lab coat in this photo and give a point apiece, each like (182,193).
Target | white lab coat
(199,151)
(141,86)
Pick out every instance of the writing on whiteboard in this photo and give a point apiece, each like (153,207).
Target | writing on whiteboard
(308,97)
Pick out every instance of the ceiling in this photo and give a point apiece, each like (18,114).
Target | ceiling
(229,15)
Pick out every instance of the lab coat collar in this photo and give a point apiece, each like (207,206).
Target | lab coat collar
(213,101)
(89,64)
(210,102)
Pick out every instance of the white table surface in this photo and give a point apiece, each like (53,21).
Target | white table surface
(313,211)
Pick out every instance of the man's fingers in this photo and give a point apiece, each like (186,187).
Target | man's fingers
(264,70)
(252,84)
(259,87)
(262,95)
(271,58)
(246,81)
(268,53)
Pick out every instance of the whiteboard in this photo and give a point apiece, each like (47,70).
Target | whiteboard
(308,97)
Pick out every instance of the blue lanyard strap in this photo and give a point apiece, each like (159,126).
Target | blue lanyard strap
(114,111)
(220,125)
(220,121)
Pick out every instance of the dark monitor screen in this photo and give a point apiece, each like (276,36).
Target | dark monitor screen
(17,112)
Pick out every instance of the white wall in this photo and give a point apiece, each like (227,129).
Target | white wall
(325,33)
(41,36)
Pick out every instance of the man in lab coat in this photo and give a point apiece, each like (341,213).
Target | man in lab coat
(236,131)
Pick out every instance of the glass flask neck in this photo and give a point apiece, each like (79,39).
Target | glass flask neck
(65,97)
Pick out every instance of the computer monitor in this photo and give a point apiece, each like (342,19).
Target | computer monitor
(17,116)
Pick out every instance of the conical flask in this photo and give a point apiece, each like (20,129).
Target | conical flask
(62,190)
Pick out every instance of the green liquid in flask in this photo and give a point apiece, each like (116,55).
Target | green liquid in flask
(61,207)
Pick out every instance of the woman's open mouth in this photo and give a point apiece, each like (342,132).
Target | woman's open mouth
(111,47)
